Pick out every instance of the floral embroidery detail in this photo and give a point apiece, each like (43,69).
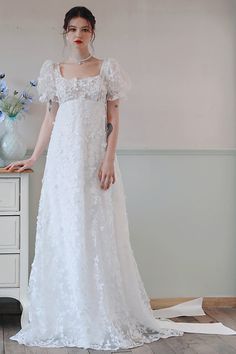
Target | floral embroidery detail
(46,83)
(112,83)
(119,82)
(84,288)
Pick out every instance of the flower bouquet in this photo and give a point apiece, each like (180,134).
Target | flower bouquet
(12,108)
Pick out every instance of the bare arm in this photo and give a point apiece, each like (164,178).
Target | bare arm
(45,130)
(113,128)
(106,172)
(42,141)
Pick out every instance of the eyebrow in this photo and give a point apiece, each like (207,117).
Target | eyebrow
(76,27)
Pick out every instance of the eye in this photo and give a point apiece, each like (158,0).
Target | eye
(85,30)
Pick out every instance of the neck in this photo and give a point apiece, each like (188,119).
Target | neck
(79,54)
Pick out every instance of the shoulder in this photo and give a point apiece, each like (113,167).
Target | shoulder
(47,66)
(46,77)
(111,65)
(111,61)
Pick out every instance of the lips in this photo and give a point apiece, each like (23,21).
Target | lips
(78,41)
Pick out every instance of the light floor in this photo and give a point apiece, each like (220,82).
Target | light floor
(186,344)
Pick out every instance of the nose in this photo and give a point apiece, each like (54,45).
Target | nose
(78,32)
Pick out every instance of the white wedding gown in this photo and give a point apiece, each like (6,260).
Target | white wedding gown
(84,289)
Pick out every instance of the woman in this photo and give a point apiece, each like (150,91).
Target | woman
(84,289)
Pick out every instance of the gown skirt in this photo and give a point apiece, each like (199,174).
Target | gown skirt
(84,289)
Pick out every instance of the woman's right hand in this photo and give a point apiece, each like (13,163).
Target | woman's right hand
(20,165)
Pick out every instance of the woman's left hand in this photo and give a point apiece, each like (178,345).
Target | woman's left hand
(106,173)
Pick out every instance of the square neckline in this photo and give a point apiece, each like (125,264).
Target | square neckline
(80,78)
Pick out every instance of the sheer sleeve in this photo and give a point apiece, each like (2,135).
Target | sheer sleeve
(46,82)
(118,81)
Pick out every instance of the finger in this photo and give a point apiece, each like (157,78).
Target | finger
(103,181)
(108,182)
(19,164)
(13,166)
(111,179)
(8,166)
(20,169)
(103,178)
(13,163)
(103,185)
(99,174)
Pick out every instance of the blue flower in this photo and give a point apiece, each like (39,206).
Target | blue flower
(11,105)
(2,116)
(34,83)
(25,96)
(3,89)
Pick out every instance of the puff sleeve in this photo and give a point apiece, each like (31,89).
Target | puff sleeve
(118,81)
(46,82)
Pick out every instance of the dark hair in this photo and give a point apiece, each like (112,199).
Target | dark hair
(79,11)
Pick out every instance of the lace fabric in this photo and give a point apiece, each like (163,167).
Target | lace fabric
(85,289)
(46,82)
(119,82)
(112,83)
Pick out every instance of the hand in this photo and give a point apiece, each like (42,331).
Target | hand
(106,173)
(23,163)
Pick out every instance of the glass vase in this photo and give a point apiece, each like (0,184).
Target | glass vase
(12,146)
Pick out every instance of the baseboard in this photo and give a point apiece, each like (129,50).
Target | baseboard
(12,306)
(156,152)
(207,302)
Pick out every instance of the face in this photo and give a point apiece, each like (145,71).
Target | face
(79,32)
